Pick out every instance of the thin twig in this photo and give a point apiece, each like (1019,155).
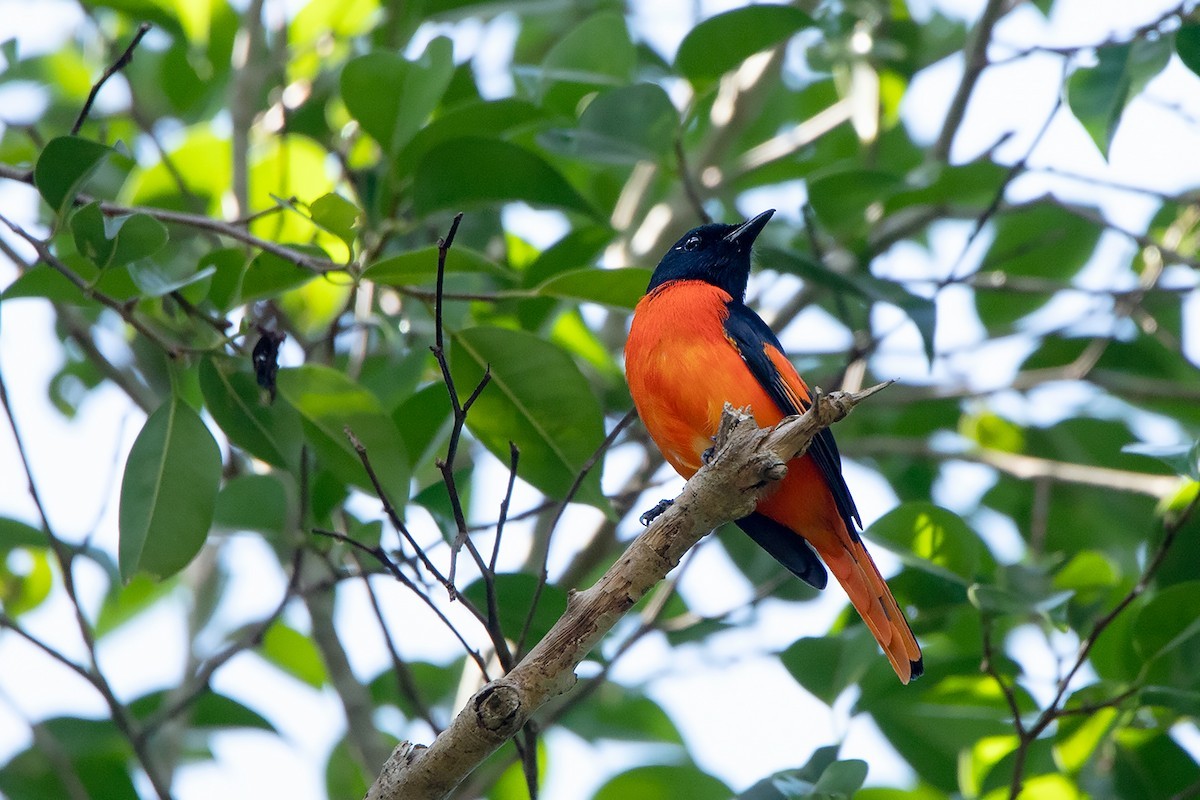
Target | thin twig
(998,196)
(379,555)
(975,60)
(404,677)
(446,466)
(689,183)
(1028,735)
(250,637)
(113,69)
(124,310)
(543,574)
(514,455)
(389,509)
(198,222)
(65,556)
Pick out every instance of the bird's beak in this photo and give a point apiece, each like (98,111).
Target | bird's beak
(745,234)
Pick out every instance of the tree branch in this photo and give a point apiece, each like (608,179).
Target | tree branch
(113,69)
(748,461)
(199,222)
(975,61)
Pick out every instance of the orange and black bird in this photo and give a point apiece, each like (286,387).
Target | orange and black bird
(694,345)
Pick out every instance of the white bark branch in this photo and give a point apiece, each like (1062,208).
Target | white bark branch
(748,461)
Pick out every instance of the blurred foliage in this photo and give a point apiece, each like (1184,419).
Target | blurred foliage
(292,174)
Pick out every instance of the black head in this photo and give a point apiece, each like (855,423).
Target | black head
(717,254)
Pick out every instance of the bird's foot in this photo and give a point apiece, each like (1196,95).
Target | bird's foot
(708,455)
(655,512)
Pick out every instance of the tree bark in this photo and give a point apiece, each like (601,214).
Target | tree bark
(748,462)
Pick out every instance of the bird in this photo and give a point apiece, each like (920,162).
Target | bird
(693,346)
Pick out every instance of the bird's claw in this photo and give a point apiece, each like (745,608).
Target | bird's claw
(708,455)
(655,512)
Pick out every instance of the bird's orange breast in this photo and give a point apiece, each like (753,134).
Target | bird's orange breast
(682,369)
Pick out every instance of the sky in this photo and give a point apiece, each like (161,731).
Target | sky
(758,720)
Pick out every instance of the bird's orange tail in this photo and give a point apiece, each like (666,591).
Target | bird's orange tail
(855,570)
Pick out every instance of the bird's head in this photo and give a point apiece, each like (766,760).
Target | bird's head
(717,254)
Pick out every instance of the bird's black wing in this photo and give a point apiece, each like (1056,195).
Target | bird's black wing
(752,337)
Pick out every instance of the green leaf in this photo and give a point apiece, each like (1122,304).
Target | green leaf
(435,499)
(841,780)
(1168,620)
(1080,735)
(1150,765)
(14,533)
(1187,46)
(337,215)
(1098,95)
(663,782)
(93,749)
(1039,240)
(497,117)
(991,431)
(841,197)
(135,237)
(420,266)
(932,539)
(1184,459)
(91,238)
(921,310)
(435,685)
(930,721)
(329,403)
(826,666)
(267,431)
(295,654)
(344,772)
(424,420)
(617,712)
(1088,571)
(391,97)
(252,503)
(621,126)
(1185,702)
(25,584)
(65,163)
(620,288)
(268,275)
(598,52)
(47,282)
(125,601)
(207,711)
(722,42)
(797,784)
(536,398)
(475,172)
(156,279)
(227,264)
(514,596)
(168,492)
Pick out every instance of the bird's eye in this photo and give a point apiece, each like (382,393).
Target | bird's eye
(693,243)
